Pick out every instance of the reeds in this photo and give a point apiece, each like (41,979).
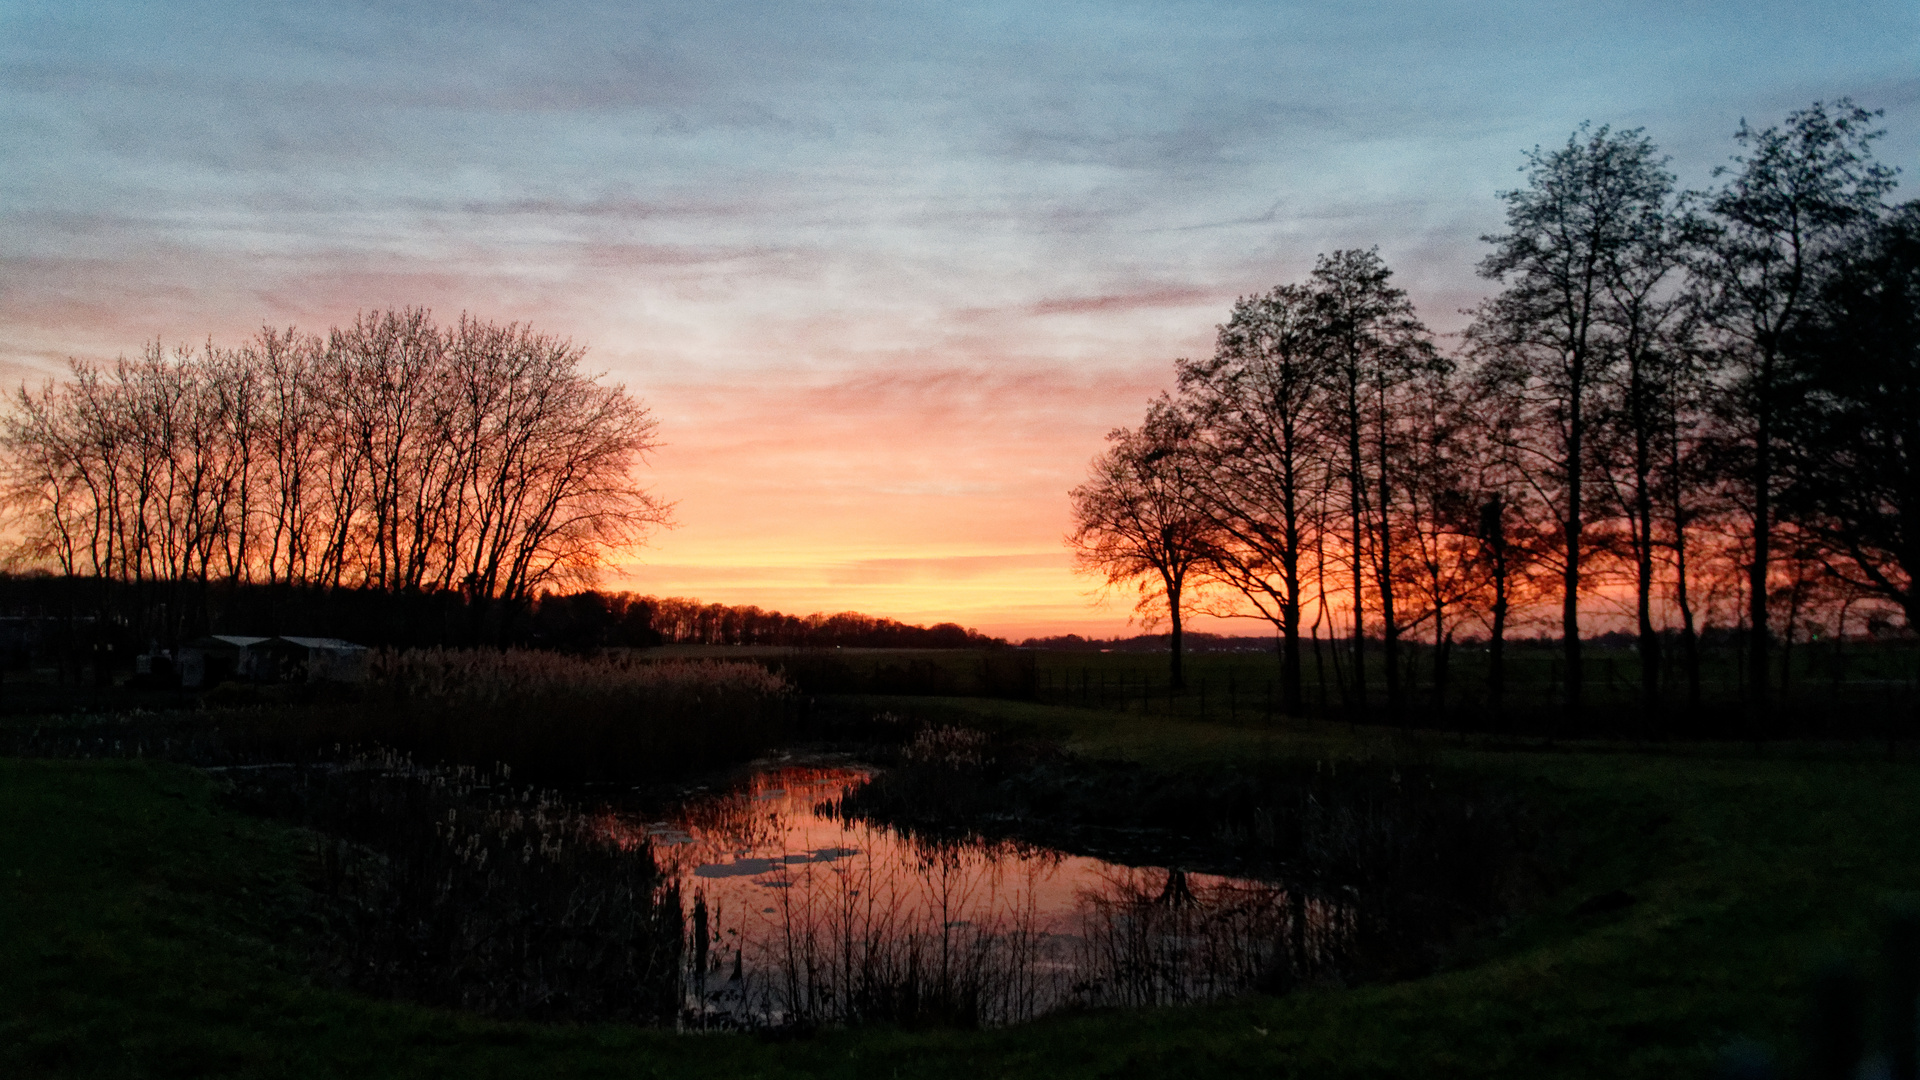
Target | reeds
(957,944)
(453,887)
(554,718)
(947,942)
(1166,937)
(566,719)
(486,676)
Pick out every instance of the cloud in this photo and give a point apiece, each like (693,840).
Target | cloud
(1165,297)
(945,570)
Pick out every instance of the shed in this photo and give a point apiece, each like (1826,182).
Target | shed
(317,659)
(218,657)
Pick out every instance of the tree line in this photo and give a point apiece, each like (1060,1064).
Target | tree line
(1685,408)
(682,621)
(392,454)
(593,619)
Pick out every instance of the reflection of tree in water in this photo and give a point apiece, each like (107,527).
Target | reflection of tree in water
(1159,937)
(960,940)
(880,924)
(756,813)
(949,933)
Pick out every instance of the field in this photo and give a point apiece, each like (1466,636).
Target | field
(148,930)
(1852,688)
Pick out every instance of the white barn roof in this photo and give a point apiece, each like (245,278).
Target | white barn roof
(331,643)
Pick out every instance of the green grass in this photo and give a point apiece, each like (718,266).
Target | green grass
(145,931)
(1824,680)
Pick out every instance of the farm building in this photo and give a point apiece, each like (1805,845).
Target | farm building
(216,658)
(314,659)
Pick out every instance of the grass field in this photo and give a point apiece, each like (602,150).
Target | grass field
(147,931)
(1819,686)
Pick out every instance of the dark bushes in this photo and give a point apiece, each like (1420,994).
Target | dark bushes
(452,888)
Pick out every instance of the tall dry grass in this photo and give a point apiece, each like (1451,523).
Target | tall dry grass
(488,676)
(570,719)
(953,941)
(945,940)
(557,719)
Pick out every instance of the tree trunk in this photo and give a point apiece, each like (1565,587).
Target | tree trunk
(1290,695)
(1389,624)
(1570,583)
(1389,627)
(1689,638)
(1175,641)
(1493,532)
(1290,691)
(1356,488)
(1762,536)
(1643,524)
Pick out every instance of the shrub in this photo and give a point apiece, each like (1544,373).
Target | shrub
(455,887)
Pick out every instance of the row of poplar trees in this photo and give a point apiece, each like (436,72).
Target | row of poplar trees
(391,454)
(1670,387)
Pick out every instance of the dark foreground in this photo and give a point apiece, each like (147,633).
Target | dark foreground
(145,930)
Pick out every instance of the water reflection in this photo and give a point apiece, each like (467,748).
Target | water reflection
(801,916)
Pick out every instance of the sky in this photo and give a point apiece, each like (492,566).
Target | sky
(885,273)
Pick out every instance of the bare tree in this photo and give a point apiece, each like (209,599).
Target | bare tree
(1436,515)
(1136,522)
(1260,408)
(1575,246)
(1374,345)
(1854,473)
(394,455)
(1644,322)
(1507,518)
(1793,196)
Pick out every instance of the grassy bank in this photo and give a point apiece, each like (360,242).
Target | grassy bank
(147,931)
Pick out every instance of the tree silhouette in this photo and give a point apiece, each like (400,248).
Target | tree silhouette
(1585,250)
(1259,405)
(1375,346)
(1853,476)
(392,455)
(1137,521)
(1794,195)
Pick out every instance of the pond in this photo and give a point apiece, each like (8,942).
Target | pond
(799,914)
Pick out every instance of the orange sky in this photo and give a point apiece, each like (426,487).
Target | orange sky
(929,488)
(929,496)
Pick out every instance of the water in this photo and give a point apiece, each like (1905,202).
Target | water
(809,917)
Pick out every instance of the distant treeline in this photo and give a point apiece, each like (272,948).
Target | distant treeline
(679,621)
(1194,641)
(47,614)
(1200,641)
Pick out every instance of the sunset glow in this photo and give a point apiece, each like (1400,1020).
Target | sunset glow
(885,276)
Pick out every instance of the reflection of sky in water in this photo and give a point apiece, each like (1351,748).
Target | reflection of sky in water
(792,889)
(742,847)
(775,832)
